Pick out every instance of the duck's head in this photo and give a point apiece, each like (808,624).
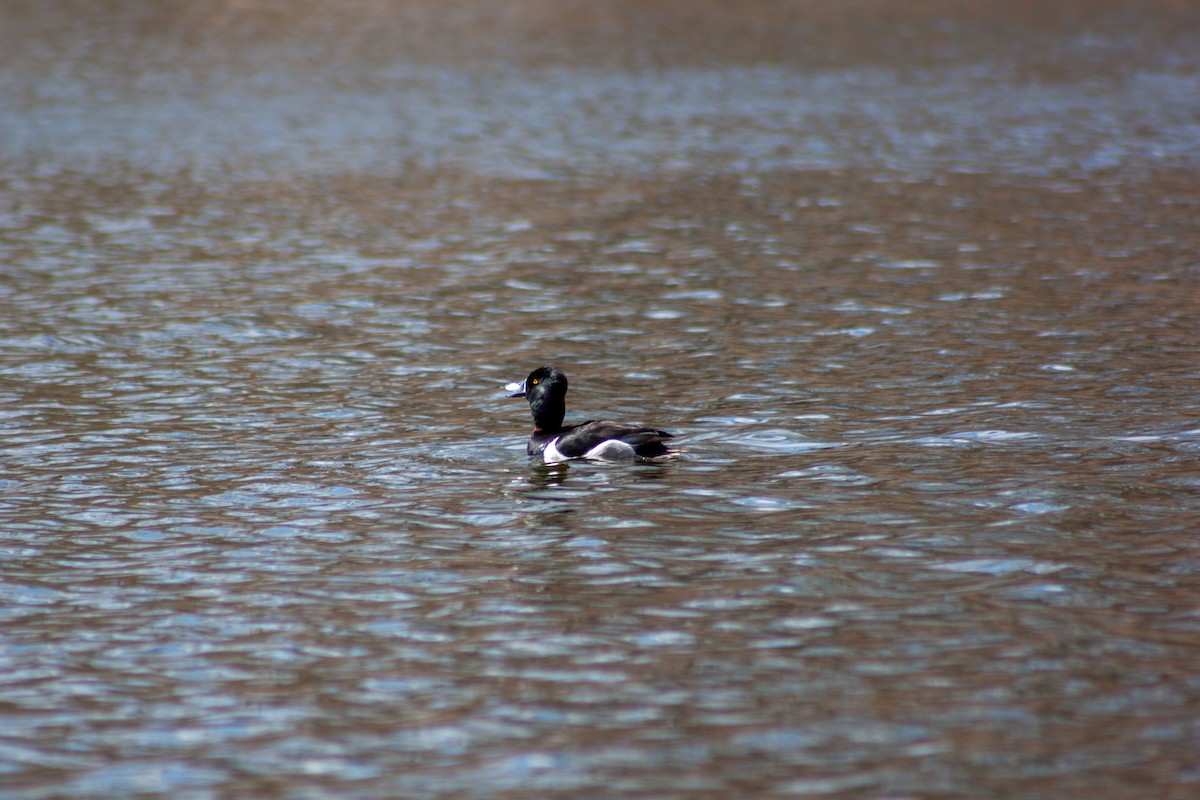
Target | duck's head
(546,390)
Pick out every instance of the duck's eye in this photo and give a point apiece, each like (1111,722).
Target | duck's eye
(535,381)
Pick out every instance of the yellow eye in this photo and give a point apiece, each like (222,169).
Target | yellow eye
(535,381)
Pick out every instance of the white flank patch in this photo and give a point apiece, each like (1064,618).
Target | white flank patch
(551,455)
(610,450)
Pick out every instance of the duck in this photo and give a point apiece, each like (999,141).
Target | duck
(598,440)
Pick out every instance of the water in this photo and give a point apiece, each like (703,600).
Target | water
(922,317)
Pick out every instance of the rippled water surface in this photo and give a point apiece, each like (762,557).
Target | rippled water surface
(916,291)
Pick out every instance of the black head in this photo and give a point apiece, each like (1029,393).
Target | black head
(546,389)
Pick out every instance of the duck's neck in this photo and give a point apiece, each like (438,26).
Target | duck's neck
(548,413)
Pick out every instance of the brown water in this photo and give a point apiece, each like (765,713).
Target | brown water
(916,287)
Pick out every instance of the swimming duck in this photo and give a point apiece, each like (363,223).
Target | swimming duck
(546,389)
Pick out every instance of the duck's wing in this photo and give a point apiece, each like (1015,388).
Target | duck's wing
(606,440)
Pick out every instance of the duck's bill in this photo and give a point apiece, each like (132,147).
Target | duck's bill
(517,389)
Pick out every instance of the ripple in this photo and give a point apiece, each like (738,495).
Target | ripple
(778,440)
(998,566)
(992,436)
(1039,508)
